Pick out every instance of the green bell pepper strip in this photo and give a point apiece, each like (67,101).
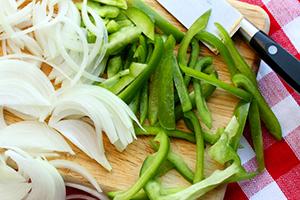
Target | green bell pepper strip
(201,105)
(164,25)
(181,88)
(193,59)
(207,91)
(239,61)
(154,96)
(129,92)
(122,38)
(223,153)
(179,164)
(129,55)
(197,190)
(114,66)
(212,138)
(240,114)
(141,195)
(142,20)
(91,37)
(134,104)
(144,103)
(103,11)
(265,111)
(158,158)
(140,54)
(118,3)
(256,134)
(216,82)
(135,70)
(199,172)
(125,23)
(112,26)
(108,83)
(212,40)
(209,137)
(153,130)
(166,115)
(197,26)
(149,52)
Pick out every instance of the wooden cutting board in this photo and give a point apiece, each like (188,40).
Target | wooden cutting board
(126,165)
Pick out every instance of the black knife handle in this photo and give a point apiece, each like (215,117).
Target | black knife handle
(283,63)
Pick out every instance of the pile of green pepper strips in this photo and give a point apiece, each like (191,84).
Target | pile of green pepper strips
(144,71)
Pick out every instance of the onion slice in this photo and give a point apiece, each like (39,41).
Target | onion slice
(108,113)
(33,137)
(76,168)
(2,120)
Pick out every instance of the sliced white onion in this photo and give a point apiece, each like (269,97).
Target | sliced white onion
(87,190)
(108,113)
(33,137)
(25,88)
(46,182)
(55,36)
(79,196)
(76,168)
(84,137)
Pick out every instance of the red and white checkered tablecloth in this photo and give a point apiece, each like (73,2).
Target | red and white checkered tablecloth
(281,179)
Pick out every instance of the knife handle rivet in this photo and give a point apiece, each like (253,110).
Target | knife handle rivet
(272,50)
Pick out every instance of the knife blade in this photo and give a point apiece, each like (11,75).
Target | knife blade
(282,62)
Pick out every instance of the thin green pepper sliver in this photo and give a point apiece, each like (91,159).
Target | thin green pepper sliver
(201,105)
(199,172)
(164,25)
(212,40)
(193,59)
(141,20)
(118,3)
(153,130)
(256,134)
(122,38)
(241,113)
(179,164)
(181,88)
(158,158)
(166,113)
(114,66)
(102,10)
(239,61)
(144,103)
(197,26)
(266,113)
(127,94)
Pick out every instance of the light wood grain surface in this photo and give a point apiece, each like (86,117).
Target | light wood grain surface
(126,165)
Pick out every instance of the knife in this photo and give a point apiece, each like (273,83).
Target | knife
(282,62)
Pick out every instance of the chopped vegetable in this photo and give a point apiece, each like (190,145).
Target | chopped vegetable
(199,173)
(114,66)
(142,21)
(118,3)
(201,105)
(256,134)
(266,113)
(166,105)
(33,137)
(129,92)
(160,22)
(121,38)
(144,103)
(157,159)
(104,11)
(107,111)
